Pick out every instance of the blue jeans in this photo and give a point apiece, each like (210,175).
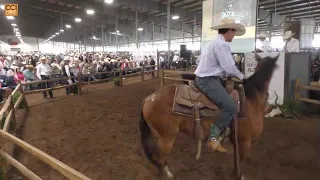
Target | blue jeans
(214,90)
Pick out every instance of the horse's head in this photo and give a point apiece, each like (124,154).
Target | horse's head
(256,86)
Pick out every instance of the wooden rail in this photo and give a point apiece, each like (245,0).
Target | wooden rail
(80,76)
(54,163)
(10,107)
(9,112)
(314,86)
(167,74)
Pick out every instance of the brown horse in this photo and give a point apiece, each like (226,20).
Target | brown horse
(159,126)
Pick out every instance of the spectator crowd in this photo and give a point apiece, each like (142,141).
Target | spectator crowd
(28,67)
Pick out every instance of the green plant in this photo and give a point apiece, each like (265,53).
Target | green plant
(2,169)
(116,82)
(15,98)
(292,108)
(3,120)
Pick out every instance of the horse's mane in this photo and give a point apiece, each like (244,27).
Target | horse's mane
(259,81)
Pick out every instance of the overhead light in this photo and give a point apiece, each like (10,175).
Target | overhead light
(14,25)
(140,29)
(118,31)
(10,17)
(2,7)
(175,17)
(57,33)
(93,37)
(108,1)
(61,30)
(77,19)
(68,26)
(54,35)
(90,11)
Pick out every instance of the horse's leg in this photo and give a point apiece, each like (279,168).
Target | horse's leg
(244,148)
(165,146)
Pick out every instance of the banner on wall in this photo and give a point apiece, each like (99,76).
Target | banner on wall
(243,11)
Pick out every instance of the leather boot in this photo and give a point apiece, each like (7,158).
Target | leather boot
(214,141)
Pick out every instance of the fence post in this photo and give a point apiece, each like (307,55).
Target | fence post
(13,112)
(3,167)
(297,90)
(158,65)
(120,77)
(158,72)
(162,78)
(79,82)
(24,96)
(142,72)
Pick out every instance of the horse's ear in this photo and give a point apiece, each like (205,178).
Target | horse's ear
(257,57)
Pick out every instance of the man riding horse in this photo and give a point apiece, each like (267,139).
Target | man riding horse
(216,62)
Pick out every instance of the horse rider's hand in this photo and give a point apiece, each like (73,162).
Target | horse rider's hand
(237,80)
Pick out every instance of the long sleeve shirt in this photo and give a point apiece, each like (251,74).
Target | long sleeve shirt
(216,60)
(43,70)
(19,77)
(29,75)
(67,68)
(292,45)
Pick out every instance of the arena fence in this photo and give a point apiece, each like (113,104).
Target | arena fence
(8,119)
(173,75)
(8,122)
(116,74)
(314,86)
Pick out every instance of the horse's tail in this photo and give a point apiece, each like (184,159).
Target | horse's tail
(148,144)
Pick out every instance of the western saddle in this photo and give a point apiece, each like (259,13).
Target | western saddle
(190,101)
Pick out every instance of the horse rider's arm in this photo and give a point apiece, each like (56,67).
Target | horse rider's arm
(223,54)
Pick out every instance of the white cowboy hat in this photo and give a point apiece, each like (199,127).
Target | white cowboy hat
(66,58)
(229,23)
(262,35)
(42,58)
(287,35)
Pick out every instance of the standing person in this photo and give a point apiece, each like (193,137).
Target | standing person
(44,72)
(152,63)
(265,44)
(215,62)
(29,75)
(68,72)
(292,44)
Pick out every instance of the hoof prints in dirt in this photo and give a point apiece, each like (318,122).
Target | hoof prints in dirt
(97,134)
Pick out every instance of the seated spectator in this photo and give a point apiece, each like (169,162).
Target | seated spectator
(10,74)
(18,76)
(29,75)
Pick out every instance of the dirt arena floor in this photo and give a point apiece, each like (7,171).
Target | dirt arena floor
(97,134)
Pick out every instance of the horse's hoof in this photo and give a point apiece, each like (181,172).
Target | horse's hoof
(170,175)
(242,177)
